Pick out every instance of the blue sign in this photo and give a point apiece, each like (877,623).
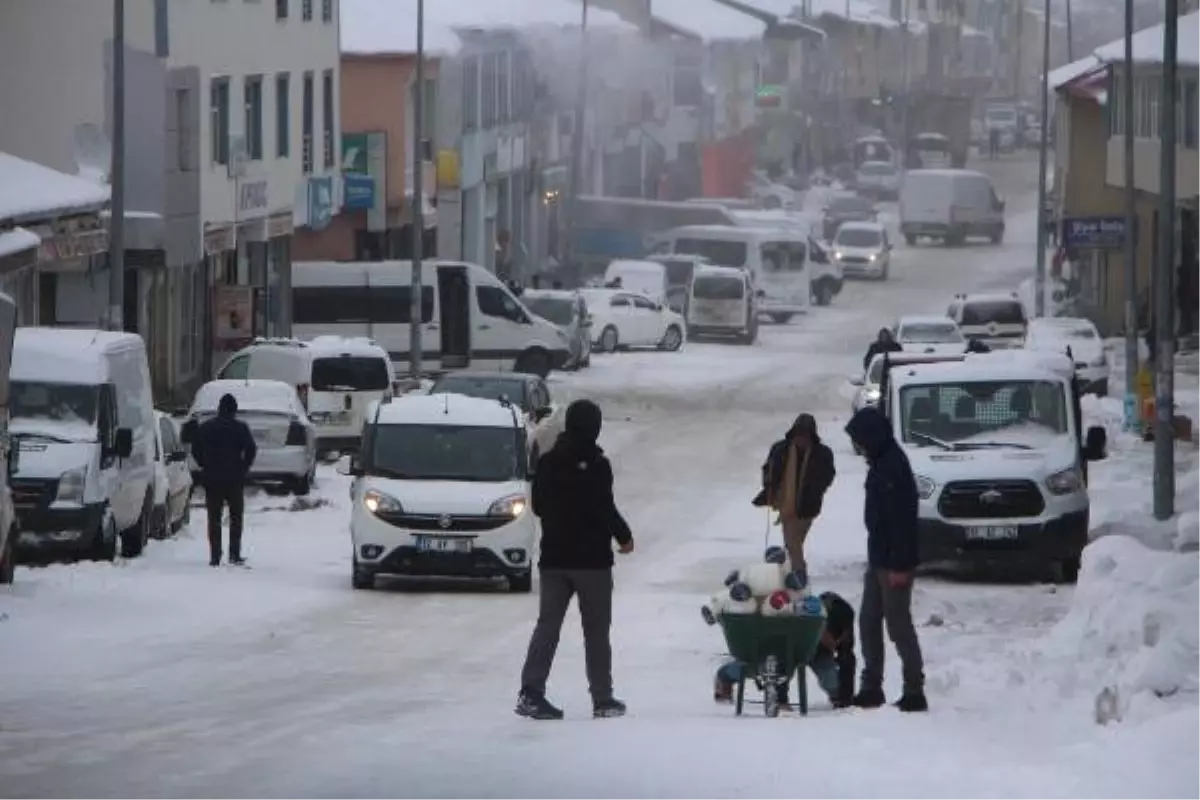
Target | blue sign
(1093,233)
(320,203)
(358,192)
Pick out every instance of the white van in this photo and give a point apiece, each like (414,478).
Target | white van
(469,318)
(722,302)
(83,417)
(648,278)
(336,377)
(950,205)
(775,259)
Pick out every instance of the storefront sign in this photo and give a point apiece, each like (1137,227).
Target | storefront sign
(219,240)
(359,192)
(1093,233)
(280,225)
(364,176)
(320,203)
(233,315)
(253,197)
(66,247)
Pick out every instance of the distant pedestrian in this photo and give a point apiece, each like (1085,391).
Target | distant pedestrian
(224,450)
(573,496)
(890,516)
(994,143)
(884,343)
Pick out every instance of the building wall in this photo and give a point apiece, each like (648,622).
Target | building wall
(375,93)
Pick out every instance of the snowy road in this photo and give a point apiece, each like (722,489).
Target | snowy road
(163,677)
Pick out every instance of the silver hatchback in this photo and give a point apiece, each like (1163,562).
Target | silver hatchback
(568,310)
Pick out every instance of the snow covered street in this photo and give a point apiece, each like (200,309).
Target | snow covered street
(161,676)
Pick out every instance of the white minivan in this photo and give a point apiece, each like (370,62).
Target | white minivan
(336,377)
(648,278)
(721,302)
(469,318)
(83,419)
(950,205)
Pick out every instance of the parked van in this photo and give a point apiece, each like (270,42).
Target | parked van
(950,205)
(775,259)
(469,318)
(722,302)
(8,517)
(83,418)
(336,377)
(648,278)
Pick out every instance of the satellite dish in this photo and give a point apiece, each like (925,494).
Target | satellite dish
(92,152)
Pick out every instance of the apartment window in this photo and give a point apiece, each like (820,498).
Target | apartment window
(306,10)
(470,98)
(307,114)
(219,107)
(687,80)
(183,130)
(503,87)
(281,8)
(283,115)
(162,27)
(253,98)
(327,116)
(326,10)
(488,96)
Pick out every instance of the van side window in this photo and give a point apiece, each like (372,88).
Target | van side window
(237,369)
(495,302)
(644,303)
(620,301)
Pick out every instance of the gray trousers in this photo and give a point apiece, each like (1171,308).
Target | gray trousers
(594,588)
(883,604)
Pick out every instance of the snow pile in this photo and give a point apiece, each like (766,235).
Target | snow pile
(31,191)
(17,240)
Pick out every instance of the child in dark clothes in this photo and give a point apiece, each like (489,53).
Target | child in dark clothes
(833,663)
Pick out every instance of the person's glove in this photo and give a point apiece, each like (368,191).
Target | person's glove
(626,548)
(760,499)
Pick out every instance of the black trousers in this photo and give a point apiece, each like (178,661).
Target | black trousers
(891,607)
(216,499)
(594,588)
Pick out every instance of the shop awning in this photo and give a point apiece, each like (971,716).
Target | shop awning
(18,240)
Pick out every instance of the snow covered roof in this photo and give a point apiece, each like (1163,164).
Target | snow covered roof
(446,409)
(30,191)
(1069,72)
(346,346)
(379,27)
(16,240)
(66,355)
(716,271)
(707,19)
(1148,44)
(1015,365)
(252,394)
(926,319)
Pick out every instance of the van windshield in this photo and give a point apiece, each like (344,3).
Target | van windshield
(488,387)
(447,453)
(559,310)
(722,252)
(1002,312)
(53,407)
(858,237)
(718,287)
(931,333)
(983,413)
(350,374)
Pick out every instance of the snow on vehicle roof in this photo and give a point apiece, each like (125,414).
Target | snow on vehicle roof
(1048,324)
(446,409)
(66,355)
(1012,365)
(860,226)
(360,346)
(30,191)
(635,264)
(550,294)
(17,240)
(714,271)
(252,394)
(946,172)
(925,319)
(986,297)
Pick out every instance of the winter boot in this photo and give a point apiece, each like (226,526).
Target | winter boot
(912,701)
(722,691)
(612,707)
(237,561)
(869,698)
(535,706)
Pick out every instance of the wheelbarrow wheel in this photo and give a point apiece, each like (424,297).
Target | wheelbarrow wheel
(771,687)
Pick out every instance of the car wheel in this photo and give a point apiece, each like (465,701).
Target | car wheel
(303,485)
(160,527)
(533,362)
(8,558)
(823,295)
(587,361)
(780,318)
(133,540)
(998,235)
(104,546)
(672,340)
(1067,570)
(609,338)
(362,579)
(521,584)
(910,239)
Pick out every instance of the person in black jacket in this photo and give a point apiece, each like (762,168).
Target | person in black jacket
(884,343)
(224,450)
(797,473)
(975,345)
(890,516)
(573,496)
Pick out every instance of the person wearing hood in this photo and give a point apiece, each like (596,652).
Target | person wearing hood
(573,496)
(884,343)
(890,517)
(224,450)
(798,471)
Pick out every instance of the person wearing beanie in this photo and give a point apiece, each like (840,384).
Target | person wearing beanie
(224,450)
(573,496)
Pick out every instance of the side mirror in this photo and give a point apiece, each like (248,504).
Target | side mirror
(1095,447)
(349,466)
(187,432)
(542,413)
(124,444)
(856,380)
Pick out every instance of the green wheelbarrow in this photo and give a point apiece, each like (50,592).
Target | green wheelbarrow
(771,650)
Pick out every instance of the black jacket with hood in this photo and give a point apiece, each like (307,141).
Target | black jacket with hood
(224,448)
(880,346)
(890,510)
(817,480)
(573,497)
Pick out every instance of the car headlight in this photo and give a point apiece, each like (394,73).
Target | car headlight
(379,503)
(837,254)
(512,506)
(1065,482)
(872,257)
(70,486)
(872,395)
(925,487)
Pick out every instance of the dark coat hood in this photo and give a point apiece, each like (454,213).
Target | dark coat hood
(871,431)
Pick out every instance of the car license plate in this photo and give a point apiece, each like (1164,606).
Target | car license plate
(991,533)
(442,544)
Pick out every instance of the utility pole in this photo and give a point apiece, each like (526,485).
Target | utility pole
(1040,277)
(905,81)
(116,177)
(1070,37)
(1019,33)
(576,165)
(1164,273)
(1129,245)
(415,322)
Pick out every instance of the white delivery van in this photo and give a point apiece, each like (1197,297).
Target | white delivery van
(83,417)
(950,205)
(722,302)
(469,318)
(336,377)
(775,259)
(648,278)
(8,453)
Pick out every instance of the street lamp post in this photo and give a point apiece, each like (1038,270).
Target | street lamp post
(1129,245)
(576,166)
(1040,276)
(415,321)
(116,178)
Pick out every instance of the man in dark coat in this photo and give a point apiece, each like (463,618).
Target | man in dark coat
(884,343)
(797,473)
(573,496)
(890,516)
(224,450)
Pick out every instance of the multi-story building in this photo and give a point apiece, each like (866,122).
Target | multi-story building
(233,134)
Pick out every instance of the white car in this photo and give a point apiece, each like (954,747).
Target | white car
(862,249)
(544,419)
(623,319)
(286,438)
(879,179)
(998,320)
(1085,344)
(172,479)
(929,334)
(441,489)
